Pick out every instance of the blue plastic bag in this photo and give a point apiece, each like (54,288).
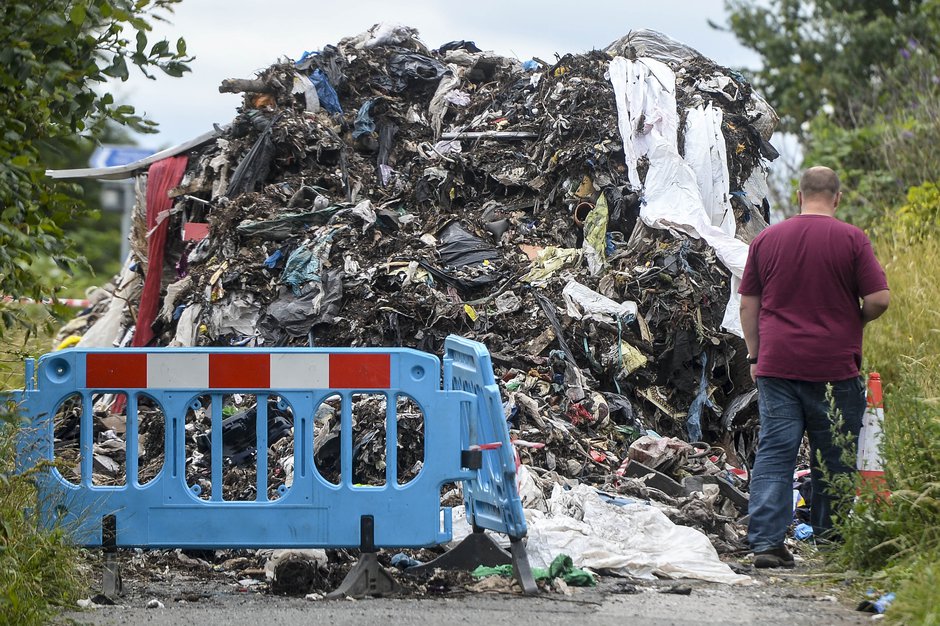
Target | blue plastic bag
(328,98)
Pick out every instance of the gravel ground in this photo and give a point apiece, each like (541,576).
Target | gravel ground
(209,599)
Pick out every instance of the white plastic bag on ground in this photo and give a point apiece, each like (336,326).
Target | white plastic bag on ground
(634,539)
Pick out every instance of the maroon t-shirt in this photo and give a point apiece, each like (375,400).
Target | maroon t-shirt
(810,272)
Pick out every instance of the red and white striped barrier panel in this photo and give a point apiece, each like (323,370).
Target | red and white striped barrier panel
(869,462)
(227,370)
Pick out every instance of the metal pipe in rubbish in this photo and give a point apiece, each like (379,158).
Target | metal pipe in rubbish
(491,134)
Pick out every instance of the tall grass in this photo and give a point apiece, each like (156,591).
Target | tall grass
(904,345)
(38,568)
(896,540)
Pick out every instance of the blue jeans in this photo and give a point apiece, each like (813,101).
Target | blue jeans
(787,408)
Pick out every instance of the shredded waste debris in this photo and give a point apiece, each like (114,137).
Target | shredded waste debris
(584,218)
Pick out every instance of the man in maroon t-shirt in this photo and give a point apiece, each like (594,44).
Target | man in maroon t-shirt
(810,285)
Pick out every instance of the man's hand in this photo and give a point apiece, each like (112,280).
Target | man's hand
(754,372)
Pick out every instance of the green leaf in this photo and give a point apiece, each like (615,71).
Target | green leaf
(181,47)
(160,48)
(118,68)
(77,14)
(141,41)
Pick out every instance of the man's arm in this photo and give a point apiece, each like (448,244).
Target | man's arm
(873,305)
(750,316)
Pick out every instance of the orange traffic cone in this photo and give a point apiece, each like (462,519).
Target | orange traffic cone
(869,439)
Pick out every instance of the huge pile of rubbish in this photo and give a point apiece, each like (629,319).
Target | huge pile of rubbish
(381,193)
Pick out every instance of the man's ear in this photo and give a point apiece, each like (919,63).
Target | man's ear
(799,198)
(838,200)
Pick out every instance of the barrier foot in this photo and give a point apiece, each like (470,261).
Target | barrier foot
(111,585)
(475,549)
(520,568)
(366,578)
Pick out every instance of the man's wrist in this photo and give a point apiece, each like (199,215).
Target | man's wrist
(752,359)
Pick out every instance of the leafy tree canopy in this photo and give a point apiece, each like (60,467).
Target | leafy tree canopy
(56,57)
(824,55)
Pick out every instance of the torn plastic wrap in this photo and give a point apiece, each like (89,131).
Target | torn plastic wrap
(285,224)
(306,262)
(672,193)
(296,314)
(364,123)
(650,43)
(705,154)
(693,423)
(305,87)
(104,333)
(645,92)
(382,34)
(595,237)
(236,313)
(187,327)
(408,68)
(438,106)
(630,540)
(673,200)
(459,248)
(255,165)
(586,303)
(326,94)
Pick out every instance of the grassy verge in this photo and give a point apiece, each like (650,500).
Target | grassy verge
(895,542)
(38,569)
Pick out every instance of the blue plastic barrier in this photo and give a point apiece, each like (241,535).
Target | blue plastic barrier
(166,512)
(491,496)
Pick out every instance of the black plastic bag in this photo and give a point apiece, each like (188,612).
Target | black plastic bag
(409,68)
(458,248)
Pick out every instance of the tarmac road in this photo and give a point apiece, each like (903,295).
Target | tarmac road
(778,599)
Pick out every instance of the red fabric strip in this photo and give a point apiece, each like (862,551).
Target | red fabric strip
(162,176)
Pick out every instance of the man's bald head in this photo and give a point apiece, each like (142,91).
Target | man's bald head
(819,183)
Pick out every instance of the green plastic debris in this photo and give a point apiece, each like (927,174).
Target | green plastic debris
(562,567)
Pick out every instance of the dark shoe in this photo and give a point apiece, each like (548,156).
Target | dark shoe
(775,557)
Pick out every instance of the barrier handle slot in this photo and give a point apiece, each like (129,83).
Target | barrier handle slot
(367,533)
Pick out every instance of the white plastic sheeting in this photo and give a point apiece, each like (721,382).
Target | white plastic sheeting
(630,540)
(674,192)
(673,200)
(706,154)
(645,91)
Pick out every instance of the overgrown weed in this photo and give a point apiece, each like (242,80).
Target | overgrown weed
(894,541)
(39,568)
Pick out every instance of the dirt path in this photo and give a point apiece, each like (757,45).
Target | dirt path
(209,599)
